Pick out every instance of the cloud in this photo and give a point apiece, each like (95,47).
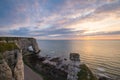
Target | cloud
(108,7)
(54,18)
(58,32)
(20,32)
(104,33)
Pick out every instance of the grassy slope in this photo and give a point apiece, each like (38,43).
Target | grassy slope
(7,46)
(83,74)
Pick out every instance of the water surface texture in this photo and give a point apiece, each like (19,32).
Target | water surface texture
(103,57)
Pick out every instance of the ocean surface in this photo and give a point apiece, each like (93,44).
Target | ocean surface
(102,56)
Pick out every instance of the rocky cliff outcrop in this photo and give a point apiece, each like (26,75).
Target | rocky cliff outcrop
(22,42)
(11,61)
(25,43)
(5,71)
(11,66)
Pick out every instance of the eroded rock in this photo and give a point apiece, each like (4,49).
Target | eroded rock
(25,43)
(11,67)
(11,63)
(5,71)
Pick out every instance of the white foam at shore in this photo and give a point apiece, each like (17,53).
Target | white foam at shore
(101,69)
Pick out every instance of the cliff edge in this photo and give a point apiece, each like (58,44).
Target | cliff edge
(11,56)
(11,63)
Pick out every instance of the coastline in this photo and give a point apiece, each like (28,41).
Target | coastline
(48,68)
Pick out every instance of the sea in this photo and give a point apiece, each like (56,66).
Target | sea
(101,56)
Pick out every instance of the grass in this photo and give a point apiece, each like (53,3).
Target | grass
(7,47)
(85,72)
(13,38)
(1,57)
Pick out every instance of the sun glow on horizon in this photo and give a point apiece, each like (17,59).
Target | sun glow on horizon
(117,37)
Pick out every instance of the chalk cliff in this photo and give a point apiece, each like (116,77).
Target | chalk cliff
(11,58)
(25,43)
(11,66)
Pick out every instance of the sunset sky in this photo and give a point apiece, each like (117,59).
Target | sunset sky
(60,19)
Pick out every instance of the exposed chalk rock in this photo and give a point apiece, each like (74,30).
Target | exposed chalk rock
(19,68)
(25,43)
(5,71)
(11,67)
(11,63)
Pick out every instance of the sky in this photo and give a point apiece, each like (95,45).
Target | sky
(60,19)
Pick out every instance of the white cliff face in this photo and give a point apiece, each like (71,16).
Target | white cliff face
(5,71)
(19,68)
(25,43)
(11,67)
(35,45)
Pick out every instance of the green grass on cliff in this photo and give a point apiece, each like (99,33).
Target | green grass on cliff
(7,47)
(13,38)
(1,57)
(85,73)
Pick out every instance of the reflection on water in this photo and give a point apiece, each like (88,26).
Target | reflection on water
(101,56)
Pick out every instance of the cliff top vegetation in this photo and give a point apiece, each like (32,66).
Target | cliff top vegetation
(6,47)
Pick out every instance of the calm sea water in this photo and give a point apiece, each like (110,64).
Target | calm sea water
(103,57)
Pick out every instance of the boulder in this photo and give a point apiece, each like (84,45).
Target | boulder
(74,57)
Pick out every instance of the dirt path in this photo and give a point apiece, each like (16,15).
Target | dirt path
(31,75)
